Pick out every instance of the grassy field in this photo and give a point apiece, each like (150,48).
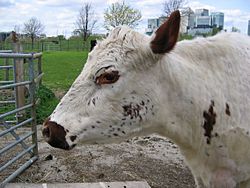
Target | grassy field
(61,68)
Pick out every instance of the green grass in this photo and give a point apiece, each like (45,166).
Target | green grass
(61,68)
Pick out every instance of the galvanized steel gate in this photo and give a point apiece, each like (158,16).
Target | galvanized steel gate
(18,133)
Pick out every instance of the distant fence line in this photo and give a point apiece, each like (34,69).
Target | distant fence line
(41,46)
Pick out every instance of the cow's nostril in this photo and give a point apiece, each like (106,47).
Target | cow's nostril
(45,132)
(55,135)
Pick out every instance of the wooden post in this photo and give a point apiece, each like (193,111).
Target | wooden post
(19,76)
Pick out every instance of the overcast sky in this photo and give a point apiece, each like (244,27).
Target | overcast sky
(59,16)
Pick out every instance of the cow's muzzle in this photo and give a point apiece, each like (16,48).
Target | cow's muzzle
(55,135)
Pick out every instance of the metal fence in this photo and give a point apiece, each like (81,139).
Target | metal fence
(43,46)
(18,133)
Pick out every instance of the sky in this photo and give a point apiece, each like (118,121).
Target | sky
(59,16)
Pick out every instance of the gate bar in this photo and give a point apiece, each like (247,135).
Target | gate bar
(16,84)
(16,136)
(7,102)
(15,127)
(17,157)
(15,111)
(15,143)
(18,171)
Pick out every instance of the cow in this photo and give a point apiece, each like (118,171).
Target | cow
(196,93)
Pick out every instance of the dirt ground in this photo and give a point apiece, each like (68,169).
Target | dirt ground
(153,159)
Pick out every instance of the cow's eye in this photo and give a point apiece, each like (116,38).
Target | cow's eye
(107,78)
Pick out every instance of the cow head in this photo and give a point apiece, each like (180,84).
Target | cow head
(116,95)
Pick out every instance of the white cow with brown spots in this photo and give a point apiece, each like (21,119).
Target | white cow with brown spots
(197,93)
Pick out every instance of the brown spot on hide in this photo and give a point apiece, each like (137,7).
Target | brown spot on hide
(209,122)
(228,110)
(132,110)
(72,138)
(93,101)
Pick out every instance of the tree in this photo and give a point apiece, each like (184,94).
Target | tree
(235,29)
(216,30)
(85,21)
(33,28)
(121,14)
(172,5)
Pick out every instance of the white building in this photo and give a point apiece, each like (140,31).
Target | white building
(217,19)
(154,24)
(202,23)
(248,28)
(201,12)
(196,22)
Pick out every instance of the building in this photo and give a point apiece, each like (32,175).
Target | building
(217,19)
(201,12)
(154,24)
(191,20)
(248,28)
(202,23)
(197,22)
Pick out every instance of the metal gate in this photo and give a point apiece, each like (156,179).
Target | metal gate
(18,133)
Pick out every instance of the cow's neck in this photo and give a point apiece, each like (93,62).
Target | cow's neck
(181,111)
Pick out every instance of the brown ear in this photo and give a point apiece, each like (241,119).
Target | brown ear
(167,34)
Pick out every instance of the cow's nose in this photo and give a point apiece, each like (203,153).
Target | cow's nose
(55,135)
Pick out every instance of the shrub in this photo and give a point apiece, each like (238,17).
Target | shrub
(47,103)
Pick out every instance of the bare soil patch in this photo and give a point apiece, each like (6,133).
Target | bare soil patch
(153,159)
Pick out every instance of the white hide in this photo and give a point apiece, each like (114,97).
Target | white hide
(172,91)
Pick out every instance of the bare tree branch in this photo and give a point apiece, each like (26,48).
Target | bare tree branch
(172,5)
(86,21)
(33,27)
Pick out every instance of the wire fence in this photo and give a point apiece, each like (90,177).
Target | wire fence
(58,45)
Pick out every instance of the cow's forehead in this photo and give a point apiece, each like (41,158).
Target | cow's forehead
(122,45)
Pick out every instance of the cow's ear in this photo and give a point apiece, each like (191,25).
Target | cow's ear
(167,34)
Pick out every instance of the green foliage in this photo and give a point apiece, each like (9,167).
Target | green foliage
(47,103)
(121,14)
(235,29)
(185,37)
(216,30)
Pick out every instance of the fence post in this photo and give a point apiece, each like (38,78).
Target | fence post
(18,76)
(39,64)
(33,102)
